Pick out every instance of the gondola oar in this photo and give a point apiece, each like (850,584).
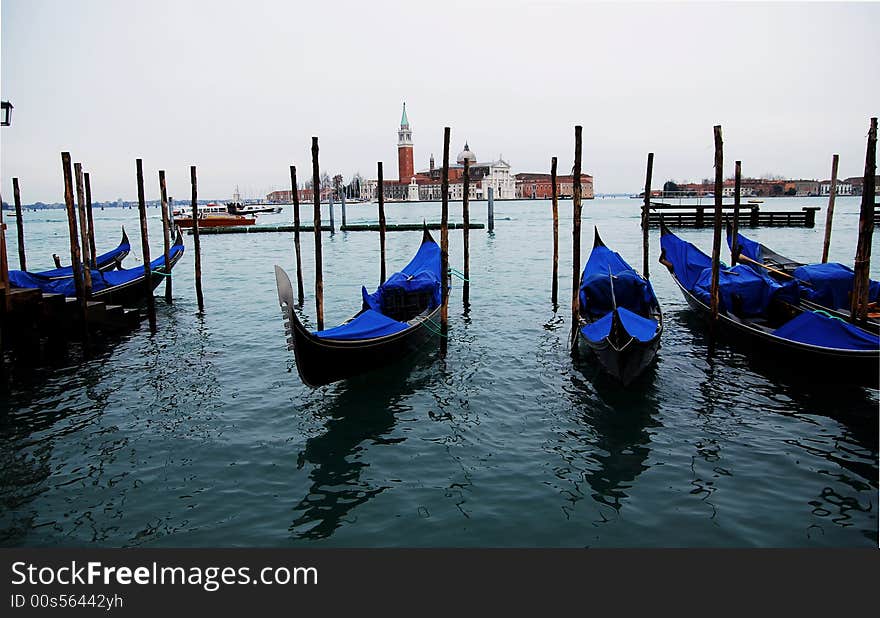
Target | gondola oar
(747,260)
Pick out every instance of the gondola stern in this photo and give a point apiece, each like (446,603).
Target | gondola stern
(597,240)
(286,300)
(426,233)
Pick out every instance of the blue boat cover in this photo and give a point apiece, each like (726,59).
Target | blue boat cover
(688,262)
(368,325)
(831,284)
(100,280)
(816,329)
(642,328)
(743,291)
(828,284)
(421,275)
(631,290)
(747,247)
(101,261)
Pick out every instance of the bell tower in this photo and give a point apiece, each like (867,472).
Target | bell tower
(404,149)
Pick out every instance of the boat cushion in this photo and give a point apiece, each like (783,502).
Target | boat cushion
(421,277)
(827,332)
(641,328)
(367,325)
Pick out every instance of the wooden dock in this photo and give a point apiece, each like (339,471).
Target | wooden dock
(351,227)
(750,215)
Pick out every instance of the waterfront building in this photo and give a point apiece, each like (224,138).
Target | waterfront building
(531,186)
(843,187)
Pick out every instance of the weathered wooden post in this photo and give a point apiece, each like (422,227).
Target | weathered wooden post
(16,195)
(145,246)
(83,230)
(319,265)
(342,202)
(832,193)
(166,233)
(296,223)
(554,289)
(576,239)
(716,238)
(444,243)
(862,266)
(734,246)
(75,257)
(91,221)
(491,217)
(196,244)
(646,214)
(4,276)
(332,224)
(466,224)
(381,189)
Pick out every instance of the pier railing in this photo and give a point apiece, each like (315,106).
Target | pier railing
(751,215)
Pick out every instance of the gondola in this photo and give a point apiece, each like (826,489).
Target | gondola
(120,287)
(393,321)
(825,286)
(107,261)
(620,317)
(765,316)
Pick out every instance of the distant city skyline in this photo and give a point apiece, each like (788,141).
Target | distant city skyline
(249,84)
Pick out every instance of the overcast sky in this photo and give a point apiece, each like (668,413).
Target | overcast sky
(239,87)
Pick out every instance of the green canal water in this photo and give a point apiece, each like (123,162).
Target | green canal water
(203,435)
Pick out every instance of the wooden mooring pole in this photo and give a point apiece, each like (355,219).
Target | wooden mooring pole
(465,224)
(737,183)
(576,239)
(382,224)
(145,246)
(91,221)
(166,233)
(332,224)
(319,265)
(444,243)
(829,216)
(491,217)
(75,257)
(716,238)
(859,310)
(83,230)
(196,244)
(554,286)
(16,196)
(342,205)
(645,214)
(299,271)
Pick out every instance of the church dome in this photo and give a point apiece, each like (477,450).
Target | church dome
(466,154)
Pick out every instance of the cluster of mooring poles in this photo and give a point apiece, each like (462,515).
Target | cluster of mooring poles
(81,235)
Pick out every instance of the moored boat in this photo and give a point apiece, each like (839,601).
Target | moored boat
(394,321)
(765,316)
(121,287)
(106,261)
(620,318)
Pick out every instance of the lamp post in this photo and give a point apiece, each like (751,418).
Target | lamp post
(7,113)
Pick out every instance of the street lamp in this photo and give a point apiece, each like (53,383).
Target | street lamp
(7,113)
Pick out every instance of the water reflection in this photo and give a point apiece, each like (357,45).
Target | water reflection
(362,414)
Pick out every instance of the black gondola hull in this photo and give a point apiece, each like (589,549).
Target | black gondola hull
(625,364)
(324,361)
(862,366)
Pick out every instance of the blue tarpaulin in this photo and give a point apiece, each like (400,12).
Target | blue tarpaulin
(643,329)
(688,262)
(820,330)
(747,247)
(368,325)
(100,280)
(421,275)
(831,285)
(630,289)
(743,291)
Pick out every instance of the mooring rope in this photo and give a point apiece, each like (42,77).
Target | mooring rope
(458,273)
(436,332)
